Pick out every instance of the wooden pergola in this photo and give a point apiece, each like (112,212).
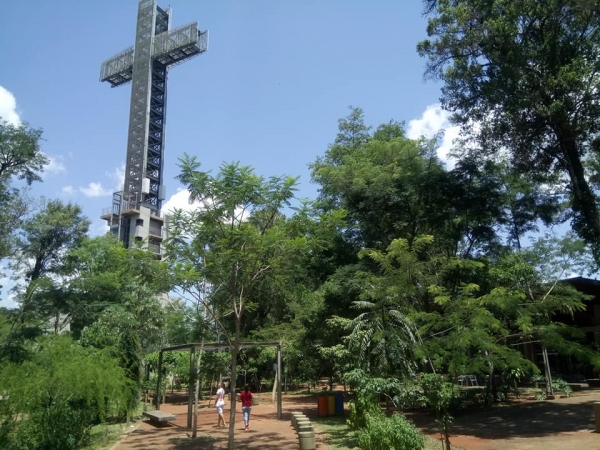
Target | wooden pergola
(212,347)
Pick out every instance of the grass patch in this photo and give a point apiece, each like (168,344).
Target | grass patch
(341,437)
(105,435)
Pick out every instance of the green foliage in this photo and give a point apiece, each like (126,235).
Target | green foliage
(128,280)
(364,404)
(441,396)
(17,328)
(375,431)
(20,152)
(48,235)
(22,158)
(526,72)
(387,433)
(223,252)
(59,426)
(179,323)
(558,384)
(368,392)
(126,330)
(52,400)
(390,186)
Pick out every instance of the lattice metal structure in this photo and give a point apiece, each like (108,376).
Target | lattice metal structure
(146,65)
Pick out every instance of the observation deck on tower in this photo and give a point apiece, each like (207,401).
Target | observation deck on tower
(135,213)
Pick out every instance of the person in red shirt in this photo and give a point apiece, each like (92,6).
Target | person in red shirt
(246,398)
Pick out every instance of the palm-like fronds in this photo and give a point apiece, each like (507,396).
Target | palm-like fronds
(384,338)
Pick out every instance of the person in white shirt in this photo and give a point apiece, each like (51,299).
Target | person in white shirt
(220,404)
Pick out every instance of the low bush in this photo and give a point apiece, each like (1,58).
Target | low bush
(51,401)
(389,433)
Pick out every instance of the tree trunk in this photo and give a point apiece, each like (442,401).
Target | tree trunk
(233,377)
(584,200)
(447,434)
(196,390)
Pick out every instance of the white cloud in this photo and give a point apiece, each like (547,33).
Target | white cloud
(99,228)
(95,190)
(55,165)
(179,200)
(434,120)
(8,107)
(118,177)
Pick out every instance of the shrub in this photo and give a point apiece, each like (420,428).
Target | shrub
(363,405)
(368,391)
(441,396)
(52,400)
(561,385)
(389,433)
(57,427)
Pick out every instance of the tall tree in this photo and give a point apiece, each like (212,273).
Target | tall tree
(47,237)
(20,152)
(101,273)
(389,185)
(42,244)
(20,158)
(526,73)
(237,237)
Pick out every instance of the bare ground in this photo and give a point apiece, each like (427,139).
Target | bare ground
(266,432)
(561,424)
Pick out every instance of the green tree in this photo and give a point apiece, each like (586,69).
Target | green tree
(384,333)
(440,396)
(389,186)
(47,236)
(528,287)
(236,237)
(102,273)
(179,322)
(526,72)
(20,152)
(20,158)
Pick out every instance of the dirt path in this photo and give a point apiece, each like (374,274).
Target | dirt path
(562,424)
(266,432)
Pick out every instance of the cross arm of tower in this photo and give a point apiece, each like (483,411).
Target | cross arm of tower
(169,48)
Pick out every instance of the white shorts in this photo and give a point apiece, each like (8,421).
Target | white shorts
(220,409)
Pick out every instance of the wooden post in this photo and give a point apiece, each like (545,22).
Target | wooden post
(191,389)
(548,373)
(160,359)
(596,406)
(279,401)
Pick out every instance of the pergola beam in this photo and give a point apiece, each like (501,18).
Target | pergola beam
(212,347)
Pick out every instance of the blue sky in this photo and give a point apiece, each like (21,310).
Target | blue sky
(268,93)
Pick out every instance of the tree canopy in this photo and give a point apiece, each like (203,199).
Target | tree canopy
(521,78)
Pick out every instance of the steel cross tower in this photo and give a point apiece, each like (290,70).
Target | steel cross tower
(135,212)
